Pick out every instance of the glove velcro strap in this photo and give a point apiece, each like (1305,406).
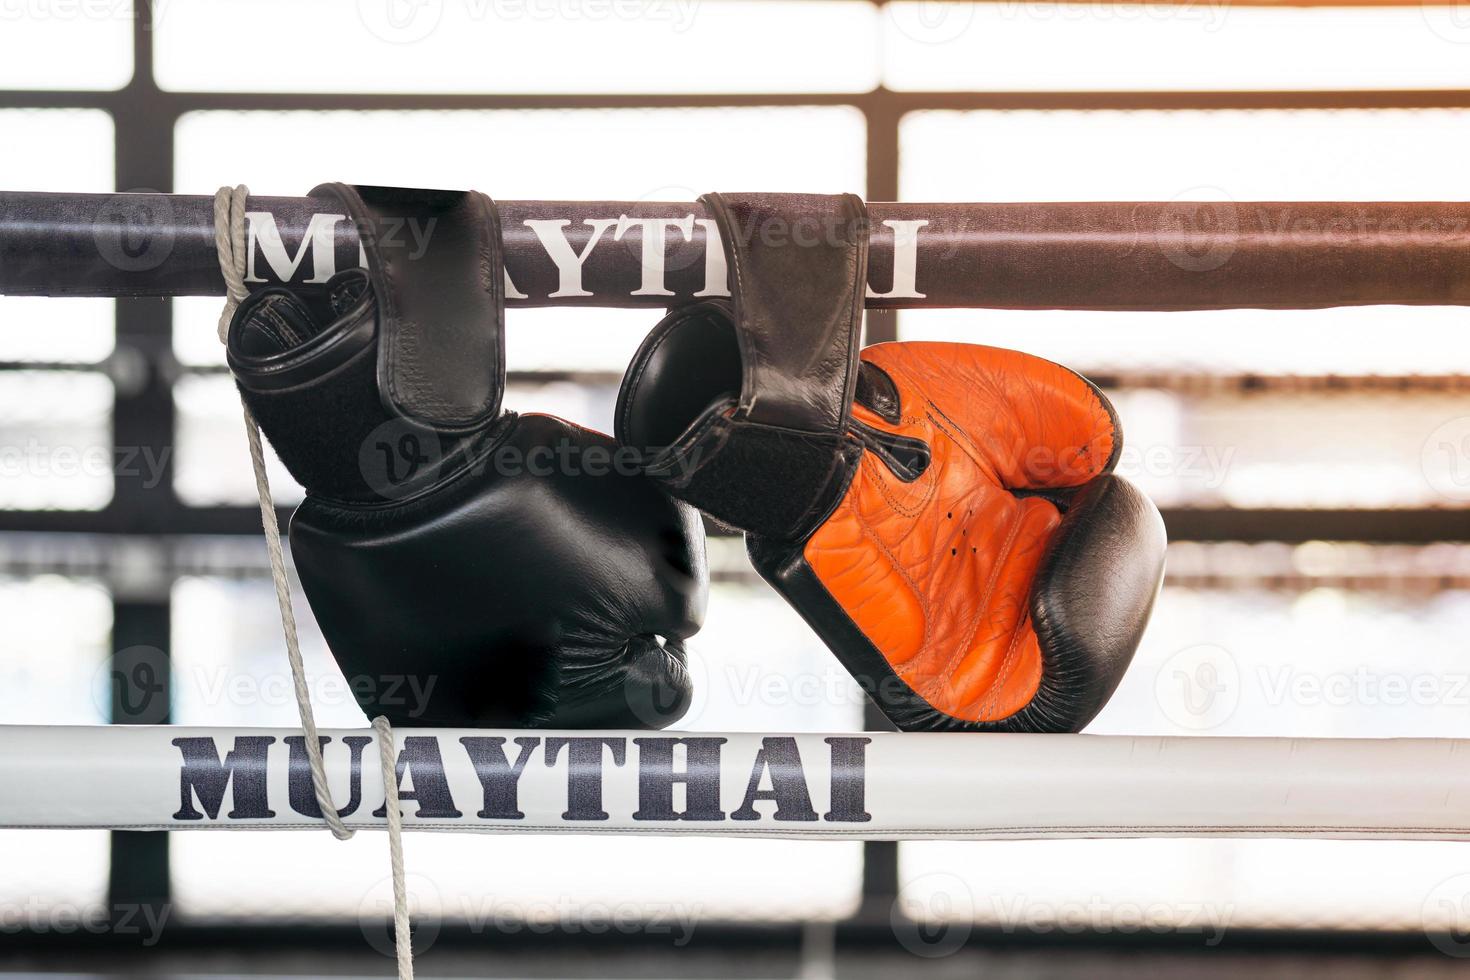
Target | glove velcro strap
(798,267)
(758,478)
(746,406)
(317,402)
(437,271)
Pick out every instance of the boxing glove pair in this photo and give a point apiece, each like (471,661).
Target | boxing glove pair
(468,566)
(943,515)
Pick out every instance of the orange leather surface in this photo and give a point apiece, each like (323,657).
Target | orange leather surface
(938,572)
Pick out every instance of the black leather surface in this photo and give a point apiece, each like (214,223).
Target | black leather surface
(798,265)
(526,600)
(514,573)
(744,406)
(1093,596)
(441,343)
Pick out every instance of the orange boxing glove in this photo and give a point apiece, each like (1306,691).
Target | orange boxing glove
(944,516)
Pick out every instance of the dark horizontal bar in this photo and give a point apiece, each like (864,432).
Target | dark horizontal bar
(1296,525)
(1288,525)
(1097,256)
(870,930)
(177,103)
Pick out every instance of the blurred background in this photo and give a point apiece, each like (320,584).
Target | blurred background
(1313,466)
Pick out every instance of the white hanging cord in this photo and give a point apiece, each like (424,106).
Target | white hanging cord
(402,938)
(229,241)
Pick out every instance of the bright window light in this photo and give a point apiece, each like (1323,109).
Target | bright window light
(58,452)
(46,870)
(54,651)
(648,46)
(229,659)
(212,459)
(1353,340)
(494,884)
(1201,888)
(1040,46)
(1304,662)
(1235,155)
(66,46)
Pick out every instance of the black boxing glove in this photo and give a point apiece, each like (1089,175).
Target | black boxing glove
(512,565)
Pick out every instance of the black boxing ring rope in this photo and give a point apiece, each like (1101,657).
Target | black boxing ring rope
(1084,256)
(1103,256)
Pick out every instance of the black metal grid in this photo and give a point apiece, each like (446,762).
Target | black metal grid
(143,413)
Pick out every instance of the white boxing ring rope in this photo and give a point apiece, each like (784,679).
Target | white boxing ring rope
(872,786)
